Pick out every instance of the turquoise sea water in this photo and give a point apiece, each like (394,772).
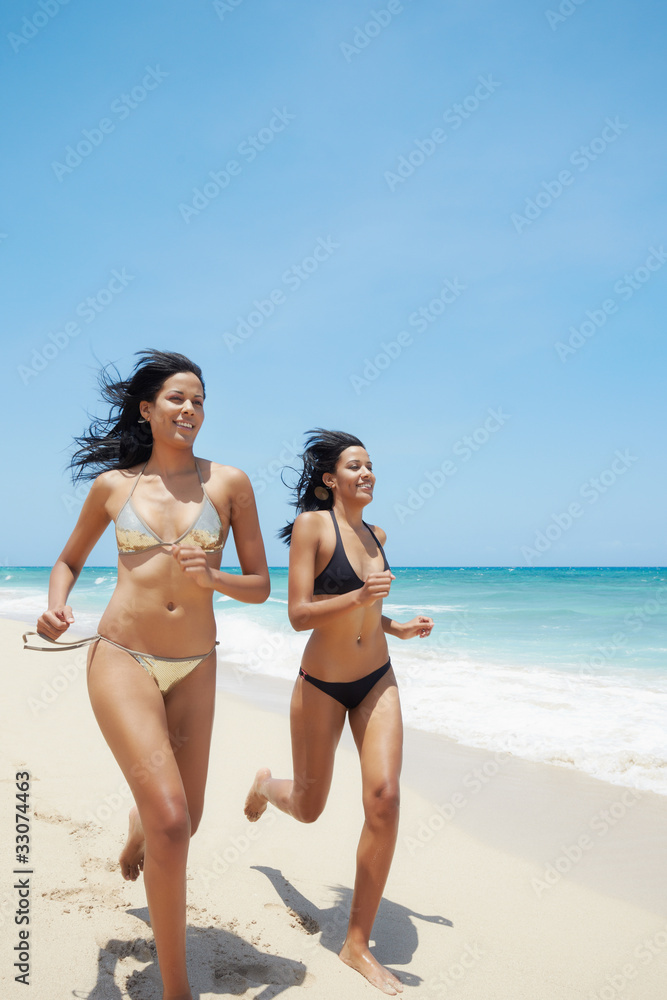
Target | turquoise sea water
(553,664)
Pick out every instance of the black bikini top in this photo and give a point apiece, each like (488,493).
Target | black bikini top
(338,577)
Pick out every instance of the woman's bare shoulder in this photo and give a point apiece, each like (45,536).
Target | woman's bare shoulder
(217,474)
(112,485)
(310,524)
(113,479)
(379,533)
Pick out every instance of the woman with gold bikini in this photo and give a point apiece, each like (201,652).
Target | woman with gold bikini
(151,667)
(338,576)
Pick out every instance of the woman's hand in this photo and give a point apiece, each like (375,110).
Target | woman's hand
(192,561)
(377,586)
(420,626)
(55,621)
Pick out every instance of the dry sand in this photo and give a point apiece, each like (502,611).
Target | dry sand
(511,880)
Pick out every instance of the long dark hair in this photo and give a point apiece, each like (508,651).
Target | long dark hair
(321,453)
(119,441)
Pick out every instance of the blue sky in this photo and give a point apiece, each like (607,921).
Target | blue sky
(442,226)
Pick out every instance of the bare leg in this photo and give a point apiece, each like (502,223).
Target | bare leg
(316,722)
(378,732)
(131,859)
(191,710)
(136,723)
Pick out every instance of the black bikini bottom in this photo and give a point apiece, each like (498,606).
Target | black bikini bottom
(348,693)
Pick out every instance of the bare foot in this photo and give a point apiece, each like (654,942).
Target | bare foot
(256,803)
(132,856)
(360,959)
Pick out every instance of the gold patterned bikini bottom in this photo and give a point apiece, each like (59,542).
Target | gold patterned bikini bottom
(166,671)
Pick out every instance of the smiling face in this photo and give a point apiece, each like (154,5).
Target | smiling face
(177,412)
(353,479)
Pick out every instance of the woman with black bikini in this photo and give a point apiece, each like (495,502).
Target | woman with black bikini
(338,576)
(151,667)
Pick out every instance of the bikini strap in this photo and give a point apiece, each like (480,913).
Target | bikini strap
(56,647)
(338,538)
(374,536)
(203,488)
(134,484)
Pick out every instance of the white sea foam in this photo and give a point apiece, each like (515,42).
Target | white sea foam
(613,727)
(562,667)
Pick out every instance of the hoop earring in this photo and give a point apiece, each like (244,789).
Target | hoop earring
(322,492)
(142,420)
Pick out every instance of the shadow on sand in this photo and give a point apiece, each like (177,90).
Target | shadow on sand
(394,931)
(219,962)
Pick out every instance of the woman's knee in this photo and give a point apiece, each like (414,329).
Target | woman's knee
(382,802)
(307,808)
(167,822)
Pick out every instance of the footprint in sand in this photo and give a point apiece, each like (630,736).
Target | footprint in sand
(138,948)
(76,828)
(239,978)
(302,920)
(52,817)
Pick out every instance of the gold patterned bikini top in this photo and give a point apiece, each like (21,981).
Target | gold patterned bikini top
(134,535)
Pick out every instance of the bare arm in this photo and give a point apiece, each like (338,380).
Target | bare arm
(92,521)
(304,612)
(422,626)
(251,586)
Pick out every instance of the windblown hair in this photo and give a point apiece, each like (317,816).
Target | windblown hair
(119,441)
(322,451)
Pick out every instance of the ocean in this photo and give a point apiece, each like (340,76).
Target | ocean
(562,665)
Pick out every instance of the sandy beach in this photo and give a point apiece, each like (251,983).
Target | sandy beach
(511,880)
